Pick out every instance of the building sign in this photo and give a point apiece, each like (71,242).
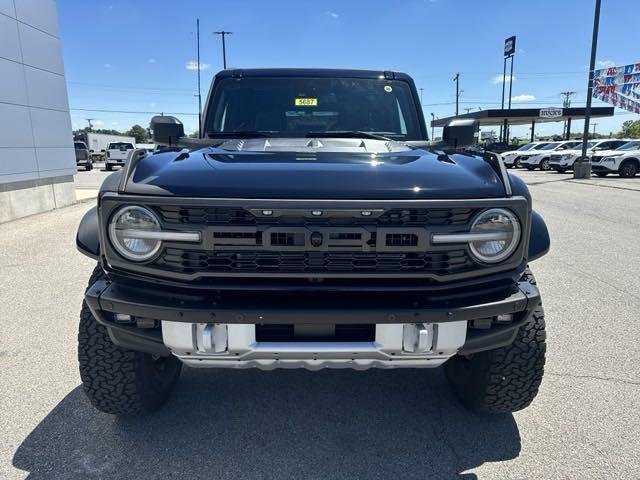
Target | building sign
(551,112)
(509,46)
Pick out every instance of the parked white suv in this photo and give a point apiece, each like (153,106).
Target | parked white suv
(541,158)
(563,161)
(510,157)
(117,153)
(624,160)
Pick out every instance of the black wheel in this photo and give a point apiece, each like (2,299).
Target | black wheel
(117,380)
(108,167)
(531,168)
(602,174)
(89,166)
(561,170)
(545,165)
(505,379)
(516,163)
(628,169)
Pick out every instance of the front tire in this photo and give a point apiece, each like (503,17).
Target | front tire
(545,165)
(628,169)
(602,174)
(107,167)
(117,380)
(506,379)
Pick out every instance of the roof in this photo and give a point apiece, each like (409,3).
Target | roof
(523,116)
(312,72)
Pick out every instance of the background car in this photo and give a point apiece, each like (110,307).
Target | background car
(561,162)
(624,160)
(117,153)
(541,160)
(83,156)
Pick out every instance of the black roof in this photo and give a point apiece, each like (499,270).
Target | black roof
(312,72)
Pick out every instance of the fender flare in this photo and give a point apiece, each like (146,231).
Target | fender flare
(88,235)
(539,241)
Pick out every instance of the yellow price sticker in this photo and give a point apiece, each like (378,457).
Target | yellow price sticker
(306,102)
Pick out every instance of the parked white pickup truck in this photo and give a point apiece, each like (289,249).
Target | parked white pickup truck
(543,155)
(563,161)
(117,153)
(624,160)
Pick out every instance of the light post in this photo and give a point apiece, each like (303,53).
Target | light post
(509,52)
(433,119)
(582,166)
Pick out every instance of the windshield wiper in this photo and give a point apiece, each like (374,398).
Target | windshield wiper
(346,134)
(241,134)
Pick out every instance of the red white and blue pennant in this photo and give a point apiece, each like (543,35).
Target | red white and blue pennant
(618,86)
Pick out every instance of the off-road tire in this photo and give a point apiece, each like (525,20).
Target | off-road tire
(505,379)
(117,380)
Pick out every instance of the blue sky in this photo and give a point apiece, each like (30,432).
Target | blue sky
(139,55)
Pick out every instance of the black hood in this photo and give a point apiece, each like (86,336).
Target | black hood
(315,169)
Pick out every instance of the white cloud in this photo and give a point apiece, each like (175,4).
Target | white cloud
(152,105)
(193,65)
(115,124)
(521,50)
(333,14)
(605,63)
(98,122)
(498,79)
(107,65)
(525,97)
(151,60)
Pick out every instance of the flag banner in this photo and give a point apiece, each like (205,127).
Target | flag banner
(618,86)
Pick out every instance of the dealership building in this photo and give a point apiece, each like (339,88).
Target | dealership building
(37,160)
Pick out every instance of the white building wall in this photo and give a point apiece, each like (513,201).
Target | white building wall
(36,145)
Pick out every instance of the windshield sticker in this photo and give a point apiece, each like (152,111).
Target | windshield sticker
(388,89)
(306,102)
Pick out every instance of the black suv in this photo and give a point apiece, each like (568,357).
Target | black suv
(312,225)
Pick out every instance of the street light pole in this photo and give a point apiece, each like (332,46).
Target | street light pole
(504,79)
(223,34)
(582,166)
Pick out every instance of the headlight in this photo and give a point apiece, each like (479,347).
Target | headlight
(499,221)
(127,231)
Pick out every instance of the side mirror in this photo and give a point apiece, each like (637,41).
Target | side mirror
(103,150)
(460,133)
(166,130)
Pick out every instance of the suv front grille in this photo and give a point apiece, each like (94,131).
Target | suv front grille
(191,261)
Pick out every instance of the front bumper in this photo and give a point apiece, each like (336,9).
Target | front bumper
(180,320)
(597,167)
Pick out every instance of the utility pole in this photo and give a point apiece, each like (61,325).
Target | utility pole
(566,104)
(89,120)
(421,90)
(594,125)
(433,119)
(199,92)
(457,80)
(223,34)
(582,166)
(467,110)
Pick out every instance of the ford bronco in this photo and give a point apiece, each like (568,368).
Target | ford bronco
(312,224)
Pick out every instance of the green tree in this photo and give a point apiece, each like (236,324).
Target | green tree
(195,134)
(139,133)
(630,129)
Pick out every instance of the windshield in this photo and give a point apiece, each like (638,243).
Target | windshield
(630,146)
(526,147)
(298,107)
(550,146)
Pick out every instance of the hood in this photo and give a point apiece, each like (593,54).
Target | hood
(315,168)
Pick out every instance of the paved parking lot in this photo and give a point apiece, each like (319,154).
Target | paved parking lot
(337,424)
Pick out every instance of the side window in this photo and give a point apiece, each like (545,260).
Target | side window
(617,144)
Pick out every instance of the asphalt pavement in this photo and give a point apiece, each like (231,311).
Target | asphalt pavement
(337,424)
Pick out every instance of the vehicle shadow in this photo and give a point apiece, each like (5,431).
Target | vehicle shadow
(281,424)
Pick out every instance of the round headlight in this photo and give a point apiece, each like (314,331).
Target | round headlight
(128,229)
(506,227)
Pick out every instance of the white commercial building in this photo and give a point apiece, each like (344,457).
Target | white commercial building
(37,160)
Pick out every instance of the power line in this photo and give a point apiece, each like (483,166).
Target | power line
(128,111)
(126,87)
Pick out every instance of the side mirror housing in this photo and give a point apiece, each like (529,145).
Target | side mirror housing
(166,129)
(460,133)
